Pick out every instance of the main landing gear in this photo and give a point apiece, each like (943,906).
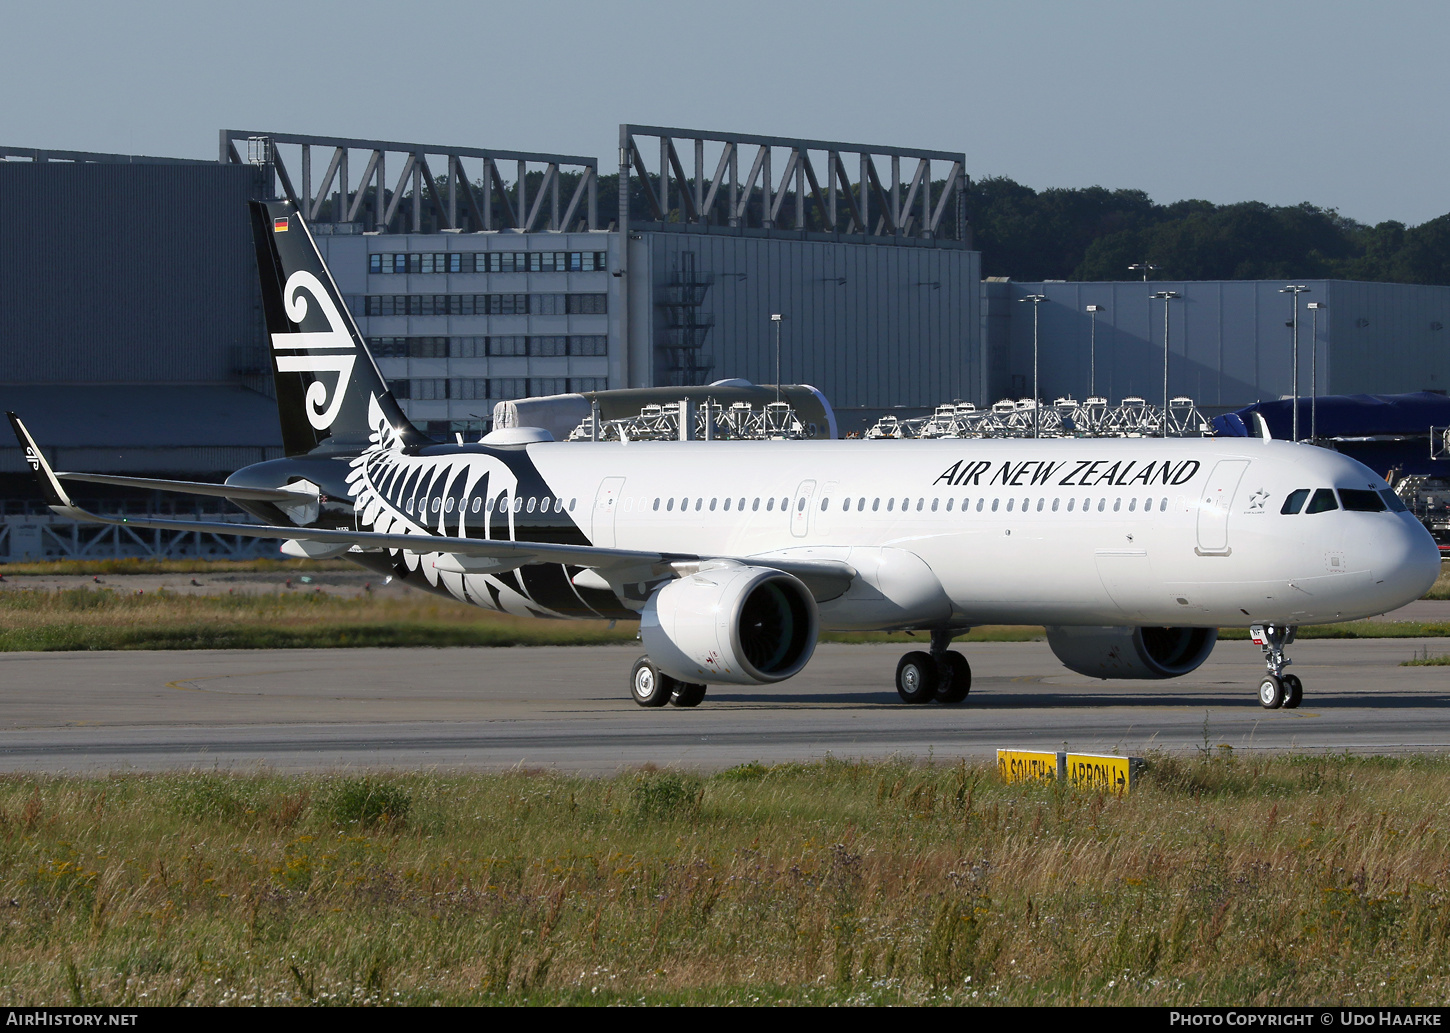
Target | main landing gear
(940,675)
(652,687)
(1277,689)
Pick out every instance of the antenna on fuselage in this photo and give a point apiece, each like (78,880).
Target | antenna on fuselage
(1262,426)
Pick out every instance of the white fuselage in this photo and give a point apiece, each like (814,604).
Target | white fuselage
(1176,532)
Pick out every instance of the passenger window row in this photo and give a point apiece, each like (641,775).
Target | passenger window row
(981,503)
(668,505)
(1355,500)
(521,504)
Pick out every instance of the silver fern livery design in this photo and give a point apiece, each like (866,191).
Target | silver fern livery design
(733,556)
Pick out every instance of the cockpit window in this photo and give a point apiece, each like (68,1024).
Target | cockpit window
(1392,500)
(1295,501)
(1359,500)
(1322,502)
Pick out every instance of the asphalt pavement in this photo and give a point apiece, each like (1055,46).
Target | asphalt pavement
(568,708)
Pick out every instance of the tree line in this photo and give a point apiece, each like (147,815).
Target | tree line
(1096,234)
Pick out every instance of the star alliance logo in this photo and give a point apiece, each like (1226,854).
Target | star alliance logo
(1257,500)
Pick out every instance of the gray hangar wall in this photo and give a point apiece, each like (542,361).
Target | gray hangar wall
(132,315)
(117,272)
(869,325)
(1230,343)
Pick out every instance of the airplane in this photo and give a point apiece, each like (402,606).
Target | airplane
(733,556)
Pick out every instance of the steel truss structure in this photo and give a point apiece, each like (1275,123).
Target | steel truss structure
(1440,442)
(52,537)
(41,155)
(710,421)
(871,209)
(471,192)
(1064,418)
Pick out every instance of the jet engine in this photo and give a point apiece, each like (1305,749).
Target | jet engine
(732,624)
(1132,652)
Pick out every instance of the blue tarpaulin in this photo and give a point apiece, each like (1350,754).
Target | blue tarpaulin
(1381,431)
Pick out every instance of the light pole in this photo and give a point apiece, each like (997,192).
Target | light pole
(775,317)
(1036,299)
(1294,290)
(1092,311)
(1314,307)
(1165,297)
(1144,267)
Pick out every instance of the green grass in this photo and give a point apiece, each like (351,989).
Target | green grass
(177,566)
(100,617)
(1424,659)
(1305,880)
(1441,588)
(103,618)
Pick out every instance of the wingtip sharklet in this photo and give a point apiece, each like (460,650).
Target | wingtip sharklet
(50,487)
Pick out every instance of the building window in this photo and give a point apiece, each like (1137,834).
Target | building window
(487,262)
(508,345)
(588,384)
(587,304)
(467,347)
(549,346)
(468,388)
(589,344)
(548,386)
(428,347)
(549,304)
(430,389)
(508,387)
(400,388)
(388,347)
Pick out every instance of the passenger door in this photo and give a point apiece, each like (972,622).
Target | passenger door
(1214,502)
(606,507)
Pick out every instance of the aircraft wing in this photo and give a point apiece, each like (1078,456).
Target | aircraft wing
(826,578)
(287,496)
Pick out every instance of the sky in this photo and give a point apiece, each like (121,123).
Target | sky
(1335,103)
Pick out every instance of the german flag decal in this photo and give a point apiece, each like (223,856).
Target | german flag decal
(279,225)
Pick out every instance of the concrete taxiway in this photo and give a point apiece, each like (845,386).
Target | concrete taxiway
(567,707)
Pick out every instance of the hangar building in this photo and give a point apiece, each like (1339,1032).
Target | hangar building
(1230,342)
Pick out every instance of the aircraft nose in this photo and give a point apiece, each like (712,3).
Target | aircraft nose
(1409,562)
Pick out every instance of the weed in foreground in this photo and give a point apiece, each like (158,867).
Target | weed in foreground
(1219,880)
(368,802)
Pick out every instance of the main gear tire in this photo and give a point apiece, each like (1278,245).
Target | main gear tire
(650,686)
(956,677)
(687,694)
(917,677)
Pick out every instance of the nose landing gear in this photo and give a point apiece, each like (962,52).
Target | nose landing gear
(940,675)
(1277,688)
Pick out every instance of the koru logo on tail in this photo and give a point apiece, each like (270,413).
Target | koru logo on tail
(326,351)
(32,459)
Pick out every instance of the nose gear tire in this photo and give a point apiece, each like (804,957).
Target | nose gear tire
(1293,691)
(1271,692)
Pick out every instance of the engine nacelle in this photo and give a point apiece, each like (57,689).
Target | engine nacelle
(1132,652)
(732,624)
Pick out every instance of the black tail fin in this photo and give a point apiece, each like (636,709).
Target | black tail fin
(324,374)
